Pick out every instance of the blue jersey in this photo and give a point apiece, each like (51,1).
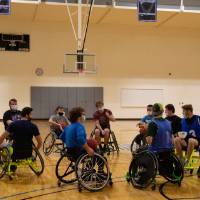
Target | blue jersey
(74,136)
(162,141)
(147,119)
(193,128)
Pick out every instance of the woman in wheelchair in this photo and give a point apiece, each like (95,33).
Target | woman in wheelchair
(91,169)
(158,156)
(20,147)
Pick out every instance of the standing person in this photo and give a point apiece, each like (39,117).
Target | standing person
(102,119)
(174,119)
(58,121)
(191,125)
(11,115)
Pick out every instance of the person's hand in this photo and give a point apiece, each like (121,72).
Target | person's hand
(60,127)
(90,151)
(103,132)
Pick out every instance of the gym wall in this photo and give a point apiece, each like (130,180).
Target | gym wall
(127,57)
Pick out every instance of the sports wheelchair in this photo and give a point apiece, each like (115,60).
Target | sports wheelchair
(9,164)
(138,142)
(145,165)
(52,143)
(112,143)
(92,173)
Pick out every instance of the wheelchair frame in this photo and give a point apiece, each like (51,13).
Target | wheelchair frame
(59,146)
(80,174)
(112,143)
(7,165)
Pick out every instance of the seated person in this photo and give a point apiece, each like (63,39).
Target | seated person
(74,136)
(147,118)
(12,114)
(160,138)
(58,121)
(174,119)
(191,125)
(21,132)
(102,119)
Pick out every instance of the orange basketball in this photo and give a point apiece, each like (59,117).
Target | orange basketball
(63,124)
(92,143)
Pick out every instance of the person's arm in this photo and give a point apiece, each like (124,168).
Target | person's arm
(151,132)
(39,141)
(110,116)
(7,119)
(88,149)
(3,137)
(53,123)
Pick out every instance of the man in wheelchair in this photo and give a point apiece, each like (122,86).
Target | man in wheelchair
(102,119)
(21,133)
(190,140)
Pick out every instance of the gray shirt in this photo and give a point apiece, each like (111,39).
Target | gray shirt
(58,119)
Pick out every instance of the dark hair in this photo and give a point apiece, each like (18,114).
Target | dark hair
(59,107)
(149,106)
(187,107)
(26,111)
(75,113)
(14,100)
(99,103)
(170,107)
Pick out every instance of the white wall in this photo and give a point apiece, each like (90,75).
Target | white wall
(127,57)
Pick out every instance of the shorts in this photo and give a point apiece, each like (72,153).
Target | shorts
(187,139)
(101,135)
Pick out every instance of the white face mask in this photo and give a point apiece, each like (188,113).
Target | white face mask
(101,109)
(83,117)
(14,107)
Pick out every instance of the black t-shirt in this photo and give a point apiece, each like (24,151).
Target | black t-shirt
(11,115)
(22,132)
(176,123)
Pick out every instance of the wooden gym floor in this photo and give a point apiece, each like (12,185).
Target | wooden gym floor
(26,185)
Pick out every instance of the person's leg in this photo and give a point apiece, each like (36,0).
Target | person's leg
(192,144)
(98,137)
(178,142)
(106,136)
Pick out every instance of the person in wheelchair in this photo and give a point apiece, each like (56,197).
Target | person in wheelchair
(74,136)
(160,139)
(21,133)
(190,125)
(58,121)
(102,119)
(147,118)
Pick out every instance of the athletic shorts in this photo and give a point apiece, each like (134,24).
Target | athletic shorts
(101,135)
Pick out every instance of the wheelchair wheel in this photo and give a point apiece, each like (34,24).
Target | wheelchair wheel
(92,172)
(48,144)
(4,161)
(112,134)
(37,163)
(143,169)
(65,170)
(137,143)
(176,172)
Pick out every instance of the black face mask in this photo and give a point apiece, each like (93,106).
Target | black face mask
(60,113)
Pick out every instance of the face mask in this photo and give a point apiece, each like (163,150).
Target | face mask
(61,113)
(14,107)
(101,109)
(83,117)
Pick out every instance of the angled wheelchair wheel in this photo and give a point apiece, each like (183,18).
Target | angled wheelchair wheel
(5,160)
(137,143)
(92,172)
(65,170)
(48,144)
(112,134)
(175,170)
(36,162)
(143,169)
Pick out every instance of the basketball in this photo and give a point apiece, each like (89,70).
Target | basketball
(63,124)
(92,143)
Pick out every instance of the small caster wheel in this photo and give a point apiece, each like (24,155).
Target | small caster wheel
(59,183)
(111,183)
(80,189)
(153,188)
(10,178)
(191,171)
(179,184)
